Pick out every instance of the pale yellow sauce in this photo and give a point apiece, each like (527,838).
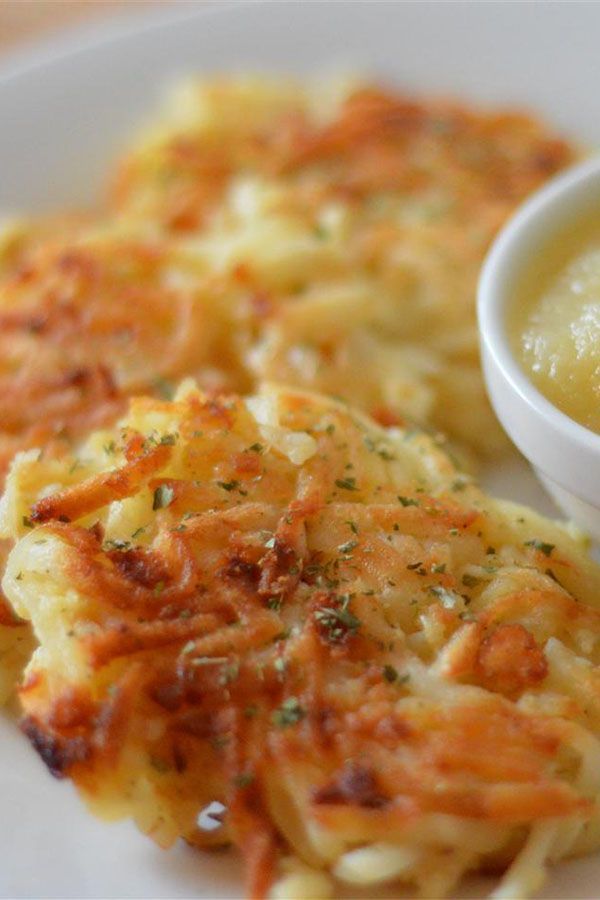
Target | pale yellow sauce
(555,324)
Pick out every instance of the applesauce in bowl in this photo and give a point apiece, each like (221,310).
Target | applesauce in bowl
(539,327)
(554,323)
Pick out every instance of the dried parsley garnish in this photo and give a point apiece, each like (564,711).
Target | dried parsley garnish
(163,496)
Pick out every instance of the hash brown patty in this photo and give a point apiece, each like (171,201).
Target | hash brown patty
(273,623)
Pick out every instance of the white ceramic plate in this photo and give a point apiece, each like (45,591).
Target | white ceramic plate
(66,109)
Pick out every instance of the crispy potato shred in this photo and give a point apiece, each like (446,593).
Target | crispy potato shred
(353,220)
(326,236)
(270,622)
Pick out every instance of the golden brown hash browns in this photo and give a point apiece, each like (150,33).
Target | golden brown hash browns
(339,251)
(328,238)
(86,323)
(273,605)
(356,223)
(87,318)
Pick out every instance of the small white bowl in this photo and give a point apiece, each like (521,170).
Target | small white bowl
(564,454)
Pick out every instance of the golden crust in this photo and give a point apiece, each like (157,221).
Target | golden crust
(336,252)
(85,323)
(379,141)
(321,625)
(88,317)
(255,236)
(357,232)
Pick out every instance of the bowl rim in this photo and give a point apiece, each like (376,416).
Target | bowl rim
(548,203)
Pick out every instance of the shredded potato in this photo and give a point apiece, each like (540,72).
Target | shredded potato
(355,220)
(89,316)
(273,623)
(269,620)
(325,236)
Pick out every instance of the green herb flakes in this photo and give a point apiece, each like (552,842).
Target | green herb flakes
(470,581)
(233,485)
(163,496)
(408,501)
(390,674)
(542,546)
(228,485)
(346,484)
(289,713)
(347,548)
(446,597)
(244,780)
(337,621)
